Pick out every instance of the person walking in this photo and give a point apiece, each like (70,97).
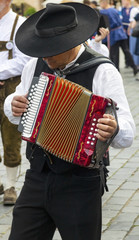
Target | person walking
(125,14)
(136,20)
(118,37)
(56,193)
(12,62)
(133,40)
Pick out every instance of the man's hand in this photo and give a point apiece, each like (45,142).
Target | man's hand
(19,105)
(106,127)
(103,33)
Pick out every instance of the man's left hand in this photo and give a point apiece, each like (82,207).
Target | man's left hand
(106,127)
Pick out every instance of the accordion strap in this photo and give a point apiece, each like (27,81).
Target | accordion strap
(101,147)
(93,62)
(88,64)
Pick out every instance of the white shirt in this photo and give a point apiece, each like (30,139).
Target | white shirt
(133,13)
(107,82)
(98,47)
(13,67)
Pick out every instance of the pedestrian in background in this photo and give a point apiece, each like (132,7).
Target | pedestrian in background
(133,40)
(136,20)
(125,14)
(12,62)
(118,37)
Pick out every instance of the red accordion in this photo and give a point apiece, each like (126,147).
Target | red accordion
(62,119)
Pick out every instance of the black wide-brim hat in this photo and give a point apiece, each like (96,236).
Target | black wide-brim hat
(56,29)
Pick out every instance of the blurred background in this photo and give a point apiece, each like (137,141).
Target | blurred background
(28,7)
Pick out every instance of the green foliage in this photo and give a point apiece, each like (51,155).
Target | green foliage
(30,11)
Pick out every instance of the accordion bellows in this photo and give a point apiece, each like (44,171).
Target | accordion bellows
(62,118)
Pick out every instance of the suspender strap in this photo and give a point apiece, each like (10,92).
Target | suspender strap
(3,46)
(14,26)
(10,56)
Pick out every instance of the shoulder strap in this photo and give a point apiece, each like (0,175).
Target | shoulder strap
(12,34)
(91,63)
(95,61)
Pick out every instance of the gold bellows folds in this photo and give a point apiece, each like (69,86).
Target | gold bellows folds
(62,118)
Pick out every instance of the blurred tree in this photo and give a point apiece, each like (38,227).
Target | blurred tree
(30,11)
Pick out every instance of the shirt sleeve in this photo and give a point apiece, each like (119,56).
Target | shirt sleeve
(108,82)
(99,47)
(133,13)
(137,17)
(21,89)
(13,67)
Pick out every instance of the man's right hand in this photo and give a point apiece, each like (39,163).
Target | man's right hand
(19,105)
(103,33)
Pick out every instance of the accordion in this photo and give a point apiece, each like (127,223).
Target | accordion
(62,119)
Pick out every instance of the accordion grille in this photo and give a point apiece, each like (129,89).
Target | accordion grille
(63,120)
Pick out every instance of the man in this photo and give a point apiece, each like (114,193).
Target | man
(118,37)
(133,41)
(57,193)
(12,62)
(136,20)
(125,16)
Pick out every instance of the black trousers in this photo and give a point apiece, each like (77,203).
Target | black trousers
(114,54)
(70,202)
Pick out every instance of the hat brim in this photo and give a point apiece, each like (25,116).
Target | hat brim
(30,44)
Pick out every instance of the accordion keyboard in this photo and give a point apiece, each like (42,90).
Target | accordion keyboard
(35,98)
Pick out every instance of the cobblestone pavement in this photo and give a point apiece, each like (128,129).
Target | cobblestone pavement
(121,203)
